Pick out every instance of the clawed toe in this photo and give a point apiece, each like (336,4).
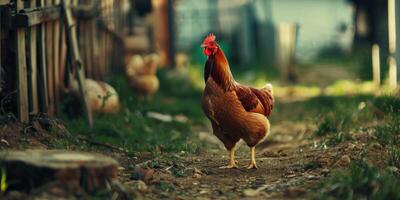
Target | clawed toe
(231,166)
(251,165)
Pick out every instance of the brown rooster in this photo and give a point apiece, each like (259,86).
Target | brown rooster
(235,111)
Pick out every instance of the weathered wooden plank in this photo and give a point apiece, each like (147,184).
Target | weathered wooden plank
(50,64)
(1,64)
(32,66)
(33,90)
(63,55)
(95,51)
(35,16)
(22,75)
(56,61)
(42,69)
(87,49)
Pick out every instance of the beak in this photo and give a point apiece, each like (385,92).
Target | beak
(202,45)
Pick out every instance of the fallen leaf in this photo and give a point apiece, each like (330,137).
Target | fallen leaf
(143,174)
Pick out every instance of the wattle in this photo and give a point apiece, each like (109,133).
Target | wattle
(207,51)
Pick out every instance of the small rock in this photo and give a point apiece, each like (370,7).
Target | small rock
(344,161)
(325,171)
(295,191)
(121,168)
(251,193)
(204,192)
(291,176)
(312,177)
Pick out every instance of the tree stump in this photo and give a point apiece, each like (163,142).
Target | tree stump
(32,169)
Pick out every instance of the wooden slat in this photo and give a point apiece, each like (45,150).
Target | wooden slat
(33,90)
(50,65)
(22,86)
(87,49)
(1,64)
(63,55)
(42,78)
(95,51)
(56,61)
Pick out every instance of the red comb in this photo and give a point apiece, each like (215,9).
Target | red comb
(209,38)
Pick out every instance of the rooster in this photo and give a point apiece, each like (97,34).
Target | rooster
(235,111)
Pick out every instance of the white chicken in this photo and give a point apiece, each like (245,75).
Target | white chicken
(101,96)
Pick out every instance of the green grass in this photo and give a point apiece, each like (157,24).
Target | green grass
(394,157)
(132,130)
(388,134)
(360,181)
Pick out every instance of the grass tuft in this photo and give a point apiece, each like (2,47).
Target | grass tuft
(361,181)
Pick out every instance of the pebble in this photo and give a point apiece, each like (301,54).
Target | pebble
(344,161)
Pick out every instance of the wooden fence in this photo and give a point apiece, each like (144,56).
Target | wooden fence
(37,48)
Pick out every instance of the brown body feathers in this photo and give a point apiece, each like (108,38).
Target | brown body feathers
(235,111)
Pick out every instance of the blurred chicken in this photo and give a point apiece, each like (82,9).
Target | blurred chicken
(141,73)
(101,96)
(181,61)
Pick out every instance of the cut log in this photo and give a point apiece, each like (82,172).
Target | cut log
(32,169)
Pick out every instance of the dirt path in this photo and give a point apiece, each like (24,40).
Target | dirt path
(291,162)
(290,165)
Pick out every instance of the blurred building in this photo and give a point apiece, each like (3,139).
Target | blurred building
(248,28)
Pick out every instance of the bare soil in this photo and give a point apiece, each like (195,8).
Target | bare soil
(290,165)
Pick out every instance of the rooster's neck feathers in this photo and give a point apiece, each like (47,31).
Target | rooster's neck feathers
(217,66)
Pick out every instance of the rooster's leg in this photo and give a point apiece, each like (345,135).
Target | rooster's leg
(252,164)
(232,161)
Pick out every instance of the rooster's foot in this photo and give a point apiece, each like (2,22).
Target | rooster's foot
(232,165)
(251,165)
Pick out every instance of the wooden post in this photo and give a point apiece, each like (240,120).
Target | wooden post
(42,78)
(161,30)
(286,45)
(392,43)
(63,52)
(33,90)
(75,60)
(376,65)
(22,76)
(56,61)
(397,10)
